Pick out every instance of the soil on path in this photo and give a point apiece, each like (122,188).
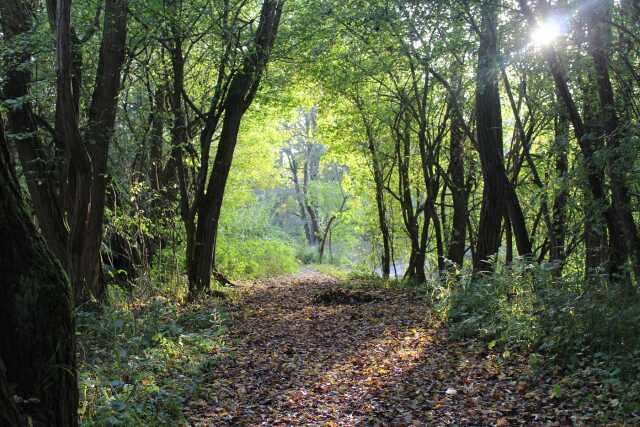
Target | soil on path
(293,359)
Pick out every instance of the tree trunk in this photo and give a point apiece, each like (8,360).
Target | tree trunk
(595,228)
(37,337)
(300,198)
(489,135)
(323,242)
(508,256)
(210,208)
(499,196)
(9,414)
(88,151)
(68,196)
(415,269)
(458,192)
(378,180)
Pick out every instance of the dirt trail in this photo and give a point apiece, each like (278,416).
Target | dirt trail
(294,361)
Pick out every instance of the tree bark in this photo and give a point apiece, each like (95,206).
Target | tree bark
(71,220)
(37,337)
(410,214)
(86,236)
(22,129)
(9,414)
(595,228)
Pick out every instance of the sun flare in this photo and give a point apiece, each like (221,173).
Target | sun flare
(546,33)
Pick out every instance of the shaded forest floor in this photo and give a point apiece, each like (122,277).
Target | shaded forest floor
(310,350)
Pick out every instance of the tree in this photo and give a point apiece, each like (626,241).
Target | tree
(375,160)
(459,192)
(499,198)
(71,218)
(37,337)
(599,50)
(612,216)
(240,93)
(302,153)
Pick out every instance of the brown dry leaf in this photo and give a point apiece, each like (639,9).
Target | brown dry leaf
(295,360)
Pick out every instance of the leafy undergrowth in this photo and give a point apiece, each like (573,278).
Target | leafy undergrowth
(139,361)
(582,336)
(294,360)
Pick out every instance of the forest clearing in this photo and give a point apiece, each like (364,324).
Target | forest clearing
(319,212)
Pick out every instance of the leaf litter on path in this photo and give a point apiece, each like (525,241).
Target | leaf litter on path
(295,360)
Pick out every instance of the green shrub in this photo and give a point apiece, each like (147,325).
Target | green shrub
(139,360)
(255,257)
(307,254)
(589,328)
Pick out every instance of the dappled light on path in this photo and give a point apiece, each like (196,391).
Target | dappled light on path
(292,361)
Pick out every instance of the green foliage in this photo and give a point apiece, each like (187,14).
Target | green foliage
(588,328)
(167,275)
(139,360)
(307,254)
(255,257)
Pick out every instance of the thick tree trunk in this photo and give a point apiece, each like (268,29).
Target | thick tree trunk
(210,209)
(595,227)
(499,196)
(489,135)
(88,151)
(9,414)
(415,268)
(83,173)
(37,337)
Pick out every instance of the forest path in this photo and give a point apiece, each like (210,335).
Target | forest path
(292,360)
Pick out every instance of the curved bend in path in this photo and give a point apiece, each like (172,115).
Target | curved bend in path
(291,361)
